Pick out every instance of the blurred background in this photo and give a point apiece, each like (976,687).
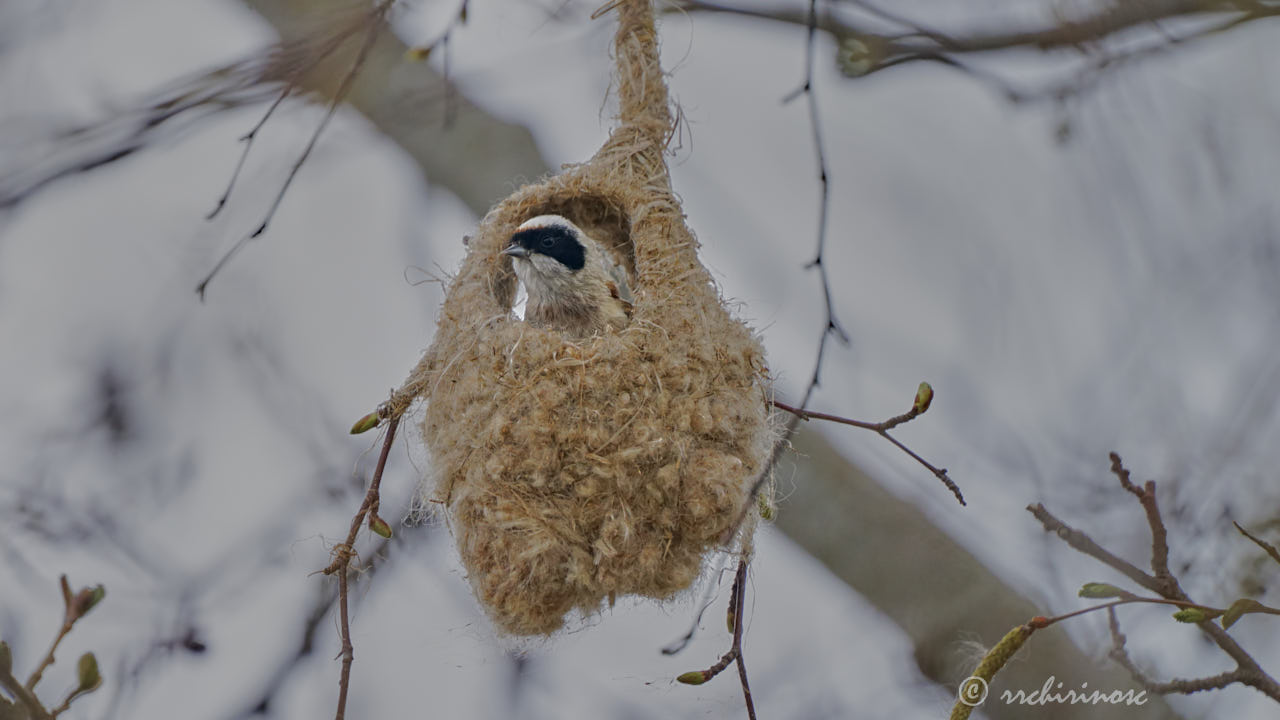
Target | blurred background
(1061,214)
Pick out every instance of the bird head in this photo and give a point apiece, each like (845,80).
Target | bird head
(548,246)
(570,282)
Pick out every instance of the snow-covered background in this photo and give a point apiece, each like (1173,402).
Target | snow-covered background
(1118,290)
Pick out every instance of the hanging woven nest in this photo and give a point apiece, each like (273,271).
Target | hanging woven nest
(576,471)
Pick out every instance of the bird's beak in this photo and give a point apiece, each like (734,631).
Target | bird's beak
(516,251)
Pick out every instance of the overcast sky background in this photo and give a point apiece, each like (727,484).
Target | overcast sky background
(1116,291)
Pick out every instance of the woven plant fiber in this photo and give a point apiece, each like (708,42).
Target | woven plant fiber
(574,472)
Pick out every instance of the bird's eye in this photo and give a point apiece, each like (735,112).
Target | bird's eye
(548,242)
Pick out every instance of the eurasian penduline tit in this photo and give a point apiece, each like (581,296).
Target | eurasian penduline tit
(572,285)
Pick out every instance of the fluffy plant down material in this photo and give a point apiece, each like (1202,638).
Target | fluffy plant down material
(578,471)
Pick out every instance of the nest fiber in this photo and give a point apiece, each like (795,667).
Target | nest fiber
(578,471)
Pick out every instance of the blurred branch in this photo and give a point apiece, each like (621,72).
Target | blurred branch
(1165,584)
(926,583)
(867,49)
(831,326)
(924,396)
(371,23)
(1268,547)
(395,91)
(26,703)
(476,155)
(326,597)
(918,41)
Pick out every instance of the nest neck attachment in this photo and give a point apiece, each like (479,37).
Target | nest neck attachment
(642,90)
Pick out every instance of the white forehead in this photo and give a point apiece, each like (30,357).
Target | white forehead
(547,221)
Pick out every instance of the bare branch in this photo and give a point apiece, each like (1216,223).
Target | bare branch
(868,49)
(1163,583)
(1180,686)
(245,82)
(47,660)
(1146,495)
(831,326)
(1081,542)
(1271,549)
(312,55)
(374,27)
(882,429)
(248,139)
(341,565)
(919,42)
(737,619)
(737,608)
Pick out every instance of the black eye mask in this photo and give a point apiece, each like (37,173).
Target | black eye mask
(555,242)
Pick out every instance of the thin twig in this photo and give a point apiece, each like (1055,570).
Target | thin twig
(678,645)
(1086,35)
(1271,549)
(1165,584)
(1146,496)
(814,415)
(223,88)
(348,650)
(1081,542)
(1128,599)
(736,621)
(374,28)
(831,326)
(248,139)
(739,604)
(66,703)
(68,619)
(342,555)
(824,205)
(1121,656)
(881,429)
(48,657)
(1110,20)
